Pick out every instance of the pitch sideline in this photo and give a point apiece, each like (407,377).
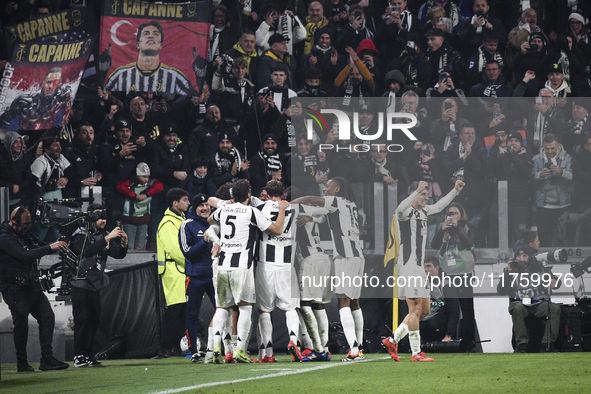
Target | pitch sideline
(284,373)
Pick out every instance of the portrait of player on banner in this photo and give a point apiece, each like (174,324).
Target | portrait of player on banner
(140,53)
(40,83)
(41,110)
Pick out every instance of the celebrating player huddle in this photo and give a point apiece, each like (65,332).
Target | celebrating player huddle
(256,244)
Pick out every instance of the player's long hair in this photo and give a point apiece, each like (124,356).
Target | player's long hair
(345,190)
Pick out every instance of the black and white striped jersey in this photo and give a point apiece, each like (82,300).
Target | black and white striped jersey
(413,227)
(308,236)
(344,226)
(239,225)
(277,249)
(164,79)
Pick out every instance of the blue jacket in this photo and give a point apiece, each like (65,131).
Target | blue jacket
(194,248)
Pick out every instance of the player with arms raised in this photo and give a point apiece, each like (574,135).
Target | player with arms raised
(412,214)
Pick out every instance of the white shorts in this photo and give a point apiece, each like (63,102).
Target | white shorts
(347,272)
(234,286)
(276,286)
(413,281)
(314,279)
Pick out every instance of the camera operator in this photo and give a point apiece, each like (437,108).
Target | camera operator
(93,244)
(19,284)
(527,282)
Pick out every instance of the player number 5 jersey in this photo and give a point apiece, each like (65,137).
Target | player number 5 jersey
(238,233)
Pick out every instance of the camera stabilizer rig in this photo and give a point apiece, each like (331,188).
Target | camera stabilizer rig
(67,216)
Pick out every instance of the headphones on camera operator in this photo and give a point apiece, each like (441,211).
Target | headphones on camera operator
(17,217)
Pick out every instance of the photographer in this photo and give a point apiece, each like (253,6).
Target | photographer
(455,241)
(524,281)
(93,244)
(19,284)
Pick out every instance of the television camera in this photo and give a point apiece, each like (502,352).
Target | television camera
(67,216)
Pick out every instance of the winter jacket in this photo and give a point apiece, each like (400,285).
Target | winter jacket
(553,191)
(171,261)
(196,250)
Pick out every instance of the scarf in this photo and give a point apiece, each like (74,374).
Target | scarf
(565,63)
(66,133)
(291,136)
(350,91)
(285,26)
(322,50)
(51,177)
(310,30)
(483,58)
(450,135)
(391,107)
(490,90)
(272,163)
(380,167)
(540,126)
(578,129)
(214,37)
(224,161)
(171,150)
(406,20)
(365,29)
(459,174)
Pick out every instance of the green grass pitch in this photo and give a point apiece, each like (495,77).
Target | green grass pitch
(540,373)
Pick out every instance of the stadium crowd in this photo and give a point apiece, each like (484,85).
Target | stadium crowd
(442,61)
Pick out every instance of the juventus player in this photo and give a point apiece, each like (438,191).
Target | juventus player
(412,214)
(348,257)
(235,280)
(275,278)
(148,73)
(314,269)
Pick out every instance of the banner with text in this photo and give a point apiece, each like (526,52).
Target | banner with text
(69,25)
(39,84)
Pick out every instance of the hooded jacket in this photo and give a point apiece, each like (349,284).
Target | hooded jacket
(171,261)
(268,61)
(194,247)
(15,170)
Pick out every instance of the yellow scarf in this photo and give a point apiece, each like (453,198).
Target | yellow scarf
(310,29)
